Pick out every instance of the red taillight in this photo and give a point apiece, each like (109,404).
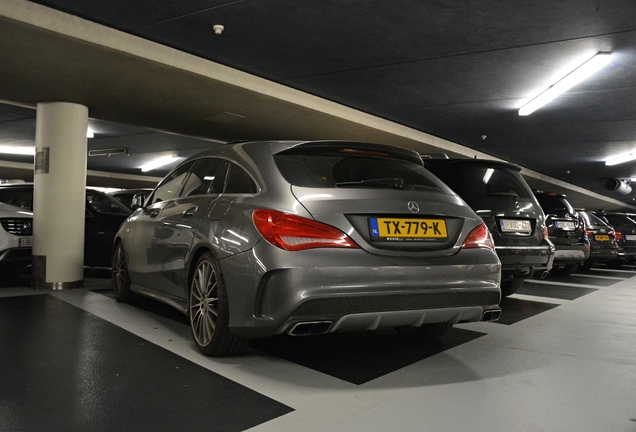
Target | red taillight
(480,237)
(295,233)
(618,236)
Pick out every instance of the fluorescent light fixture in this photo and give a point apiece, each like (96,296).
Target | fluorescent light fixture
(90,133)
(18,150)
(159,162)
(487,175)
(615,160)
(109,152)
(587,69)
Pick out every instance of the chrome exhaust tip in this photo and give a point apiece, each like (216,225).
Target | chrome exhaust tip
(491,315)
(311,328)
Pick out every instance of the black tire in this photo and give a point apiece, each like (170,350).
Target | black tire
(426,331)
(509,287)
(209,312)
(565,270)
(120,279)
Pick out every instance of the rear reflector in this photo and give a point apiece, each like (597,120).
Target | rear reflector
(295,233)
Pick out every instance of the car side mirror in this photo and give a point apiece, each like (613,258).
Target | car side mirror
(138,201)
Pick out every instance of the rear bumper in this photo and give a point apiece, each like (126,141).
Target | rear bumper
(604,254)
(520,260)
(571,254)
(357,291)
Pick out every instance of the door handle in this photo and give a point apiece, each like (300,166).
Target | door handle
(190,212)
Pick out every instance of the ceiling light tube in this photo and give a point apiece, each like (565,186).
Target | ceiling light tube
(615,160)
(582,72)
(159,162)
(18,150)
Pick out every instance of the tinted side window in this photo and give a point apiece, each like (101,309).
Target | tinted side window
(169,186)
(103,203)
(207,177)
(19,197)
(238,181)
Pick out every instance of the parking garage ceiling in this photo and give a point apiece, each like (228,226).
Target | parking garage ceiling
(436,76)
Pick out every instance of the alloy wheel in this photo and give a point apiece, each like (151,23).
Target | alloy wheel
(204,303)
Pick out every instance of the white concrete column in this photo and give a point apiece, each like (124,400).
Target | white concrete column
(59,195)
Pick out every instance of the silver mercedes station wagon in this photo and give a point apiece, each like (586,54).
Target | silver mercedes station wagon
(255,239)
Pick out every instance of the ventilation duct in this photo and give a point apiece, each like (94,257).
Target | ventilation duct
(617,185)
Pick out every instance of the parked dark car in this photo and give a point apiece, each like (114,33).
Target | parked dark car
(499,194)
(566,231)
(624,226)
(126,195)
(104,215)
(16,231)
(256,239)
(603,247)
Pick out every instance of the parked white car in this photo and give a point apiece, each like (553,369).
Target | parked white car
(16,239)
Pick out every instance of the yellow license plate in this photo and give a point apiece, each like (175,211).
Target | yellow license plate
(408,229)
(601,237)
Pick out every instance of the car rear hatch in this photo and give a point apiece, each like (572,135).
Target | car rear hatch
(625,228)
(382,197)
(499,195)
(565,226)
(600,235)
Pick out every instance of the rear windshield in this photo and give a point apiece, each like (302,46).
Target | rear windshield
(554,204)
(591,220)
(475,181)
(332,167)
(619,220)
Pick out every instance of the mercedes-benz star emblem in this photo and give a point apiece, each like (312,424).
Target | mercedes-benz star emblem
(413,207)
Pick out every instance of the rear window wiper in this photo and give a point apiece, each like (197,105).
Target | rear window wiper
(503,194)
(396,183)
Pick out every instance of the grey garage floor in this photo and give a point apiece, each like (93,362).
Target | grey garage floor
(562,358)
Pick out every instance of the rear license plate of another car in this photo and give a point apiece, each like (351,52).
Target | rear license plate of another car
(630,237)
(399,229)
(25,242)
(516,225)
(601,237)
(564,225)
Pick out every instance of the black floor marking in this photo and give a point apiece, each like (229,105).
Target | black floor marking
(354,357)
(514,310)
(64,369)
(360,357)
(21,280)
(574,279)
(553,290)
(150,305)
